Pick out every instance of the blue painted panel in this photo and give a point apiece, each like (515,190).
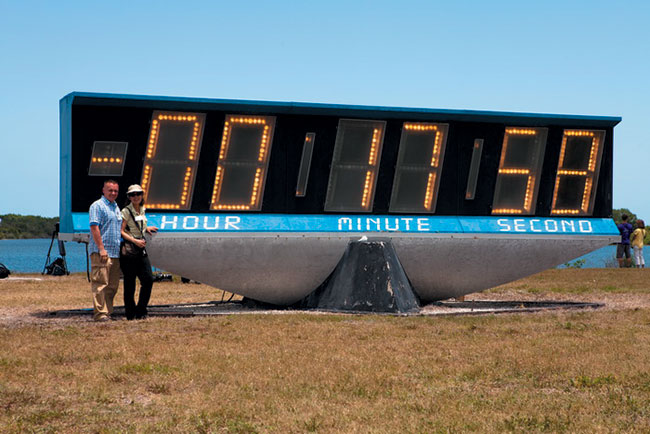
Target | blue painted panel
(538,225)
(289,106)
(385,224)
(80,221)
(304,223)
(65,165)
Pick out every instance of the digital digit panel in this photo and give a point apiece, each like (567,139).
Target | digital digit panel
(243,163)
(107,158)
(171,159)
(355,163)
(519,169)
(419,162)
(472,177)
(577,172)
(305,164)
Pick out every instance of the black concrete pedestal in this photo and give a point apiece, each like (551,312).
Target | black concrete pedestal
(369,278)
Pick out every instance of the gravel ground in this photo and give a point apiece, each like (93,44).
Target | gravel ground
(36,299)
(480,303)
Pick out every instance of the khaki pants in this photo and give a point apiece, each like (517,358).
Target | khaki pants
(104,280)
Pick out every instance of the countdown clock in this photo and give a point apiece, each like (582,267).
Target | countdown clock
(262,198)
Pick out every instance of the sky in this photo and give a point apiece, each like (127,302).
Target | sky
(566,57)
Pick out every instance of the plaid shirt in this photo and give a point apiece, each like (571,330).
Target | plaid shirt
(107,216)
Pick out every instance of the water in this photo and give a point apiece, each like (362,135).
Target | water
(606,257)
(28,256)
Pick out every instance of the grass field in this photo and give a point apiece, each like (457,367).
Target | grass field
(556,371)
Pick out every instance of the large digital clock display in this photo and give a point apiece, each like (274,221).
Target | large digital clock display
(227,156)
(469,199)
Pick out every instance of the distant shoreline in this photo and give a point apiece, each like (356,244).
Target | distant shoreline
(24,227)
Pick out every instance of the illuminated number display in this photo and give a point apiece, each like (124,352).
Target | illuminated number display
(577,172)
(355,163)
(107,159)
(171,159)
(243,163)
(519,168)
(196,155)
(419,162)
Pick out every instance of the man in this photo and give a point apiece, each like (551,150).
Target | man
(623,248)
(104,246)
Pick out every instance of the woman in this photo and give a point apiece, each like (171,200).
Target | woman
(133,259)
(636,239)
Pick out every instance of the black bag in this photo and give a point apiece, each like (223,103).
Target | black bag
(4,271)
(56,268)
(130,250)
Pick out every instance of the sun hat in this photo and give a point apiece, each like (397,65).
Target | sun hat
(135,188)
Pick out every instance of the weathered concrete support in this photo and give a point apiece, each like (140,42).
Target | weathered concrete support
(369,278)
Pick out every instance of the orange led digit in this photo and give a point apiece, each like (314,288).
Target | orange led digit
(419,162)
(428,197)
(519,167)
(366,189)
(577,172)
(243,163)
(372,158)
(171,159)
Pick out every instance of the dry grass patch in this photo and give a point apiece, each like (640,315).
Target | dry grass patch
(586,280)
(545,372)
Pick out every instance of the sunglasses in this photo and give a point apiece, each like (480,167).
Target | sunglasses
(139,193)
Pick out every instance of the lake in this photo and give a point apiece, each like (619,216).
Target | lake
(28,256)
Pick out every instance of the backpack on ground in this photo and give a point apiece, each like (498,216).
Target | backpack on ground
(4,271)
(56,268)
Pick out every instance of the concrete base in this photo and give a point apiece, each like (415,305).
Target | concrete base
(369,278)
(284,269)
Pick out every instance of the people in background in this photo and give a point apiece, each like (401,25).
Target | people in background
(104,248)
(637,243)
(623,248)
(134,259)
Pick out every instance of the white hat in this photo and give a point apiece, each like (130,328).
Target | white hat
(135,188)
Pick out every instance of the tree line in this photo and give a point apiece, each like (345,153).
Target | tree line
(14,226)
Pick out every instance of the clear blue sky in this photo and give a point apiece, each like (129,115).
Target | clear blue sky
(574,57)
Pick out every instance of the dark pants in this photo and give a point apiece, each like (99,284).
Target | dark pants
(139,267)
